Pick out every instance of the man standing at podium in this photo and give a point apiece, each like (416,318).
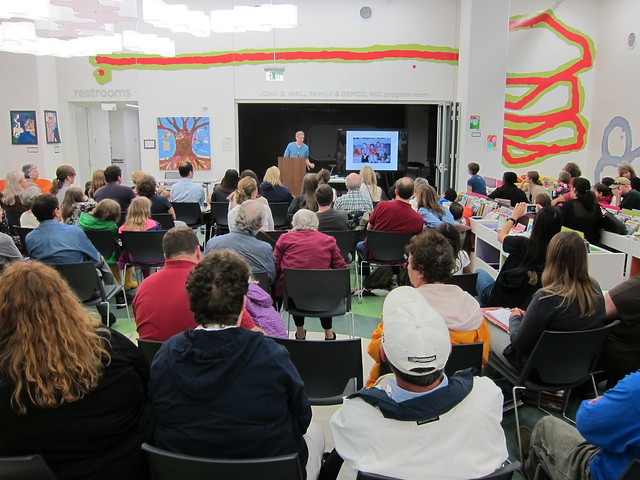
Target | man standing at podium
(299,149)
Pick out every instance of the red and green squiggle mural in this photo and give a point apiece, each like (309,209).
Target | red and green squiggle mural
(521,144)
(105,64)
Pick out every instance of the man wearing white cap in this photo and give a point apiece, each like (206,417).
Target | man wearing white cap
(417,422)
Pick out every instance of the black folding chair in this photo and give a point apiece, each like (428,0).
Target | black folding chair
(176,466)
(27,467)
(219,217)
(270,236)
(22,232)
(317,293)
(105,242)
(463,356)
(466,282)
(559,361)
(188,212)
(329,370)
(143,249)
(84,280)
(346,240)
(164,219)
(279,211)
(383,248)
(263,281)
(149,348)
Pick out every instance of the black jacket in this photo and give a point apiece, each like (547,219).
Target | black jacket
(228,393)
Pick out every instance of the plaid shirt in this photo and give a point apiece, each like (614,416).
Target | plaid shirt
(353,202)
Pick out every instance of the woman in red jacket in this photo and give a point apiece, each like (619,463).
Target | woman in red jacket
(305,247)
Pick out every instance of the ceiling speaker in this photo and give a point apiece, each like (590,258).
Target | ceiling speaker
(365,13)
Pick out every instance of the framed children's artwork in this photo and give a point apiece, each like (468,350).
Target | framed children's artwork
(183,139)
(23,127)
(51,126)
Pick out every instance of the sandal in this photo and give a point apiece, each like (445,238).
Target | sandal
(295,335)
(334,337)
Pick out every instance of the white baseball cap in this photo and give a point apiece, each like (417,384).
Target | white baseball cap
(414,334)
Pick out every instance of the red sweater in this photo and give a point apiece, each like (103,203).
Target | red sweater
(161,305)
(396,216)
(306,249)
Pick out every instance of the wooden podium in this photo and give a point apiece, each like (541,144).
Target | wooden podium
(292,171)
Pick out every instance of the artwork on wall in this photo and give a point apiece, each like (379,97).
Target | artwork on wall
(183,139)
(618,134)
(23,127)
(524,142)
(106,64)
(51,126)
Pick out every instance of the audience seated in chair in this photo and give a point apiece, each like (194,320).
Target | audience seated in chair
(161,305)
(304,247)
(419,422)
(604,441)
(113,189)
(8,250)
(249,219)
(248,190)
(353,202)
(55,242)
(569,299)
(519,277)
(186,190)
(203,378)
(431,262)
(329,219)
(73,391)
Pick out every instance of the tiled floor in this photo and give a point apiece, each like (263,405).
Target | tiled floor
(367,317)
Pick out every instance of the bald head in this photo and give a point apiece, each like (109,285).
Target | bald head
(404,188)
(353,181)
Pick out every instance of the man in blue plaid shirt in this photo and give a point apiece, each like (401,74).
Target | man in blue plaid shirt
(353,202)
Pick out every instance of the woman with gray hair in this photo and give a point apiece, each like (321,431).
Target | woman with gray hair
(304,247)
(27,196)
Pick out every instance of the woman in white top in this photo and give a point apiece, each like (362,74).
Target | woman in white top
(369,187)
(248,190)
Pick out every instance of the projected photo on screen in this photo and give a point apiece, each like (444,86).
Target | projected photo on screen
(378,149)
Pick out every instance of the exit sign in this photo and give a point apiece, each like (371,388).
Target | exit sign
(274,74)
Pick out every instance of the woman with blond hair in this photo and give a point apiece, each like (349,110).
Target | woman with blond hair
(272,189)
(97,181)
(14,184)
(432,212)
(71,390)
(248,190)
(569,299)
(65,176)
(369,187)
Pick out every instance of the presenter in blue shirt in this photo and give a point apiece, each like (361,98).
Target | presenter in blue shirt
(299,149)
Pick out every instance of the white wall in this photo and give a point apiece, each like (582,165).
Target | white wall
(481,83)
(616,94)
(215,91)
(476,27)
(539,52)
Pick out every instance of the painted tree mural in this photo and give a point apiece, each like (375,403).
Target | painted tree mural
(182,139)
